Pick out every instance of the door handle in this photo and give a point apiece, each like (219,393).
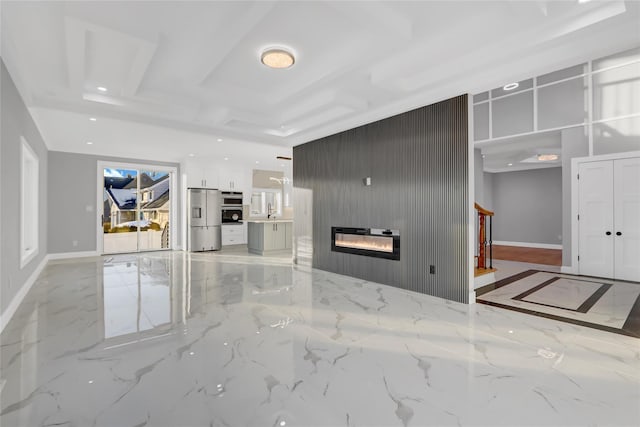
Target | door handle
(618,233)
(608,233)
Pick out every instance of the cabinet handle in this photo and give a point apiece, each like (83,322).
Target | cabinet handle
(618,233)
(608,233)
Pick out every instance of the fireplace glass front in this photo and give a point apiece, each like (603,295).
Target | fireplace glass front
(375,242)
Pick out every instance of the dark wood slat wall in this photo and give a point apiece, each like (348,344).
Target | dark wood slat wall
(418,164)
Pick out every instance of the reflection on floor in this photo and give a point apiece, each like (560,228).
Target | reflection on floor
(167,339)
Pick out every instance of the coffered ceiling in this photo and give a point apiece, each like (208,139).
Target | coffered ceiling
(194,67)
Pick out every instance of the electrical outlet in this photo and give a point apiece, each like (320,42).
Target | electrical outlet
(432,269)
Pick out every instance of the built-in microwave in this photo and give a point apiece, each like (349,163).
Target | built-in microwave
(231,214)
(232,198)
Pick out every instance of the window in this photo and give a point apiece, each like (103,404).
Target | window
(266,202)
(29,223)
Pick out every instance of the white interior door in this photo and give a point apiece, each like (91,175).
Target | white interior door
(596,235)
(627,218)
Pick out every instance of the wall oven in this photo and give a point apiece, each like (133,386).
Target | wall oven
(232,198)
(231,214)
(231,207)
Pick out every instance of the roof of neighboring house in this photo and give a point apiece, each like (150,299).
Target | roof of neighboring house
(158,202)
(145,181)
(117,181)
(126,198)
(123,197)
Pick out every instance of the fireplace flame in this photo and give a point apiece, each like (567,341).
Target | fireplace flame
(371,243)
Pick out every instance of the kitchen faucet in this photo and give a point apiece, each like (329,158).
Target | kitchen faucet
(269,210)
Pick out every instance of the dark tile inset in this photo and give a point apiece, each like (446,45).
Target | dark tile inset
(584,307)
(504,282)
(632,324)
(630,328)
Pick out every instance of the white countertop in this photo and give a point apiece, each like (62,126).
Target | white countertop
(265,221)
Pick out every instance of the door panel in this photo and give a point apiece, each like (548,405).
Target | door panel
(596,219)
(214,213)
(120,207)
(627,218)
(155,203)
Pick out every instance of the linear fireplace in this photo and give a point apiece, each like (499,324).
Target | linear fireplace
(375,242)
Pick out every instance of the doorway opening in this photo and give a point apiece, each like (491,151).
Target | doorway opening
(136,208)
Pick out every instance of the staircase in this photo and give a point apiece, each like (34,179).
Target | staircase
(484,271)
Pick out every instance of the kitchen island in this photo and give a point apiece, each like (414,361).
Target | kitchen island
(269,235)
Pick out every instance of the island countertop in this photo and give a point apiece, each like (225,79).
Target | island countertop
(268,221)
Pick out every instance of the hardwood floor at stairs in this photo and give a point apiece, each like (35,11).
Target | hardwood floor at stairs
(530,255)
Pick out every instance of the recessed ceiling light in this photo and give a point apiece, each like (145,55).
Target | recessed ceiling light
(547,157)
(226,158)
(89,143)
(277,58)
(584,1)
(510,164)
(102,88)
(92,119)
(257,162)
(510,86)
(191,155)
(219,139)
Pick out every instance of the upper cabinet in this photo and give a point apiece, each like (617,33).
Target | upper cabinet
(232,178)
(200,174)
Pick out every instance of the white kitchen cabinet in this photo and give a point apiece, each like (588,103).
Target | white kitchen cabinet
(269,236)
(201,174)
(233,234)
(231,178)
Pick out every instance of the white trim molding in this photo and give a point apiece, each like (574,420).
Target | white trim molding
(8,313)
(528,245)
(68,255)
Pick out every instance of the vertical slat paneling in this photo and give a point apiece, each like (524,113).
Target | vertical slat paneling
(418,163)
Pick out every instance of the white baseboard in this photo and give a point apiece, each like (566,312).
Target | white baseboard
(527,244)
(67,255)
(567,269)
(472,297)
(485,279)
(8,313)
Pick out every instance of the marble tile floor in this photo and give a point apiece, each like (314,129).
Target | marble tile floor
(600,303)
(175,339)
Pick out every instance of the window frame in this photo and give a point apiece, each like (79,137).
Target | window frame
(29,203)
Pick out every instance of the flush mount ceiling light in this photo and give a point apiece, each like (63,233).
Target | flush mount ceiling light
(510,86)
(102,88)
(277,58)
(547,157)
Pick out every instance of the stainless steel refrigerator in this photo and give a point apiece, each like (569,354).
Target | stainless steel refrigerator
(204,219)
